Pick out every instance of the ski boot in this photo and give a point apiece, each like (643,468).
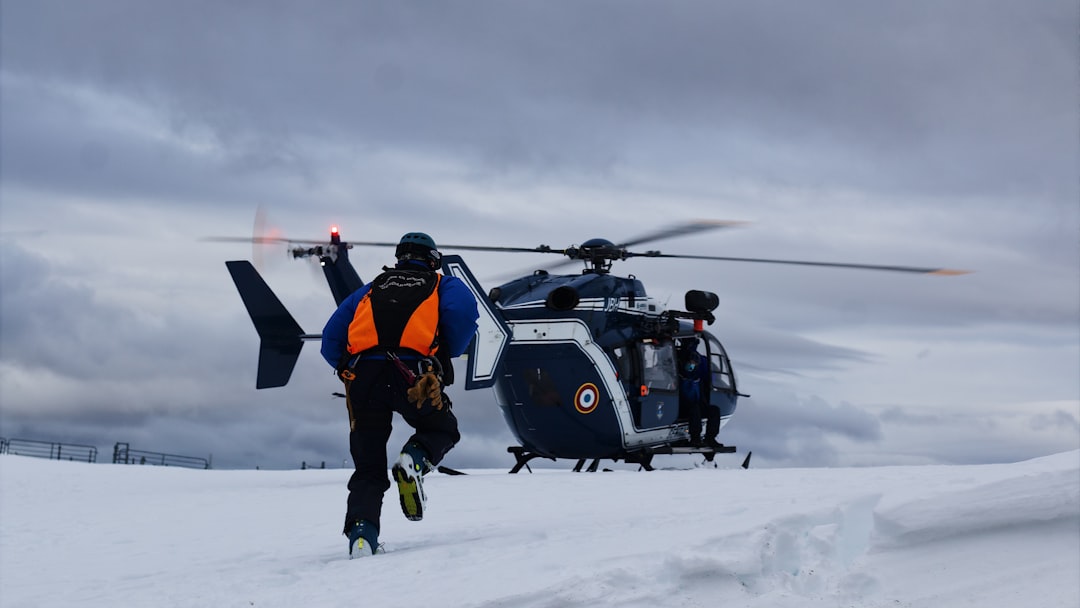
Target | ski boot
(363,539)
(408,471)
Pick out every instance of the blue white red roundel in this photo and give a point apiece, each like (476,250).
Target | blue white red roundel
(587,398)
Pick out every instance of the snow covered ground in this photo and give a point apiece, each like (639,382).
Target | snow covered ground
(74,534)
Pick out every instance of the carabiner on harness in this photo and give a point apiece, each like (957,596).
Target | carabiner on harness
(408,374)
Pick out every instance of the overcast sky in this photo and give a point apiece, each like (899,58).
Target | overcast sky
(915,133)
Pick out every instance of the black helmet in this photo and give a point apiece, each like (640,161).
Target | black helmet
(418,246)
(688,345)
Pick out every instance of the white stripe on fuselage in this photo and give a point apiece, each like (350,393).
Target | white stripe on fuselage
(640,307)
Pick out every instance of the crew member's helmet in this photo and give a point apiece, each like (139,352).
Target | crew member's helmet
(688,345)
(418,246)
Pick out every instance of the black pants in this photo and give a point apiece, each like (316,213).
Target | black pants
(694,410)
(377,392)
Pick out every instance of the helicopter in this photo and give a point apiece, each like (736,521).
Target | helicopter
(582,366)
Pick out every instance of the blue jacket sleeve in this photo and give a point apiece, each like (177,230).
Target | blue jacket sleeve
(335,335)
(457,315)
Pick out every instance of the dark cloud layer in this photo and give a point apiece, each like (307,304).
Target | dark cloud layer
(906,96)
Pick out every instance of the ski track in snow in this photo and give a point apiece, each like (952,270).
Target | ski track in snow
(74,534)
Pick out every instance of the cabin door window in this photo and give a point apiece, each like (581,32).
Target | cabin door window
(658,392)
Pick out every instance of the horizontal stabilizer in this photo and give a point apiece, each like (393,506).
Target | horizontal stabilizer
(281,337)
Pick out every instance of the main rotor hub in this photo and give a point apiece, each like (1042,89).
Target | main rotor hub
(598,254)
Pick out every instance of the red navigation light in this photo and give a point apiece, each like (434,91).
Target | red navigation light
(333,230)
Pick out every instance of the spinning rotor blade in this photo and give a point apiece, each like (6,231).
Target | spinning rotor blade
(547,267)
(680,230)
(350,244)
(910,269)
(251,239)
(540,249)
(610,252)
(264,231)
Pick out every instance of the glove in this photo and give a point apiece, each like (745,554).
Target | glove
(343,372)
(427,387)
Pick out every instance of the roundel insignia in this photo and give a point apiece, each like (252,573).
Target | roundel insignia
(587,397)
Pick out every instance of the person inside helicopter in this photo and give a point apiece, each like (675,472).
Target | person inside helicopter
(694,390)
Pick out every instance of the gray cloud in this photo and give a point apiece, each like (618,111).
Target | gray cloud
(896,96)
(913,134)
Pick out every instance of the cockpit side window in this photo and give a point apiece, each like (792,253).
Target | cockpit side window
(719,371)
(723,377)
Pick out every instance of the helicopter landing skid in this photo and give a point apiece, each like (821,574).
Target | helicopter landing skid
(523,457)
(644,458)
(592,467)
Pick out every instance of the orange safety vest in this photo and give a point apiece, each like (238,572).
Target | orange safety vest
(401,310)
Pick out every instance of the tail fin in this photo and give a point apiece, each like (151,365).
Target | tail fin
(492,336)
(281,337)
